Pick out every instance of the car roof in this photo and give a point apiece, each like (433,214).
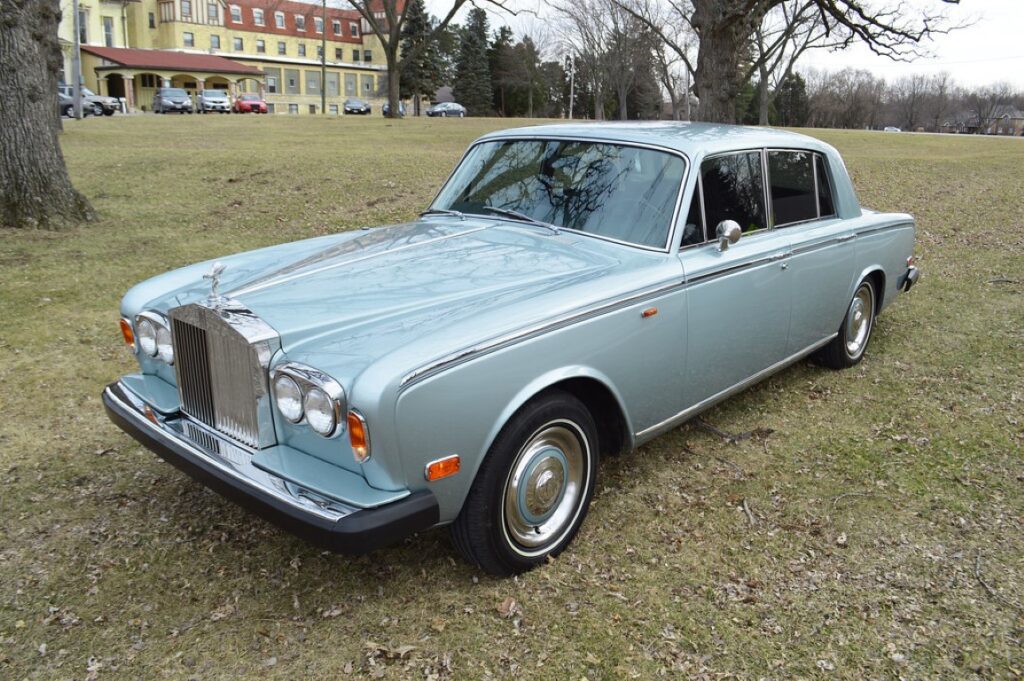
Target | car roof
(691,139)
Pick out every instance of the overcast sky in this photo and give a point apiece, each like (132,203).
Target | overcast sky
(990,50)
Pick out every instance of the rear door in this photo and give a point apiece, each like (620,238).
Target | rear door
(738,299)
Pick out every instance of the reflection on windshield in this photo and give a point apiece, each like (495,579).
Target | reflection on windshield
(620,192)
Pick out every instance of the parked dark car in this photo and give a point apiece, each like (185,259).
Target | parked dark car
(357,107)
(386,109)
(172,99)
(67,106)
(446,109)
(100,104)
(250,104)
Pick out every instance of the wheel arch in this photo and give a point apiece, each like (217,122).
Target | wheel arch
(876,274)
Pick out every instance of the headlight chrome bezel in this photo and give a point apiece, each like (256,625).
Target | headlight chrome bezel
(163,346)
(308,379)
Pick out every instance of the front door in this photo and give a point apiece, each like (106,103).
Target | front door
(738,299)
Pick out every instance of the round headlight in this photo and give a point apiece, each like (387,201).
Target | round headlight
(320,412)
(164,349)
(288,397)
(147,336)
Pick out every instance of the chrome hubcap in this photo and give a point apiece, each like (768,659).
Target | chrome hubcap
(858,321)
(545,487)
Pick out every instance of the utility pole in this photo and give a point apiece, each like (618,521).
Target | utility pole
(572,82)
(323,63)
(76,65)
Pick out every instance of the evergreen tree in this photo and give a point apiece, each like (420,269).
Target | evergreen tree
(500,59)
(791,102)
(472,70)
(422,74)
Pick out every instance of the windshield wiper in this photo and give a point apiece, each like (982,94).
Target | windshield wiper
(521,217)
(443,211)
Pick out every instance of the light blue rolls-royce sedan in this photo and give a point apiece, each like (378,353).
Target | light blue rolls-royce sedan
(573,291)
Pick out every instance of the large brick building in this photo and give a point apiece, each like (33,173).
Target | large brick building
(271,47)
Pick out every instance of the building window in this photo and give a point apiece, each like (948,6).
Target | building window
(108,31)
(318,24)
(189,39)
(270,108)
(302,49)
(238,44)
(355,55)
(312,108)
(272,79)
(215,42)
(333,108)
(236,14)
(320,52)
(291,81)
(282,47)
(338,54)
(279,19)
(83,24)
(261,46)
(366,86)
(257,17)
(312,82)
(300,22)
(353,29)
(293,108)
(186,9)
(350,85)
(211,13)
(152,20)
(331,84)
(336,27)
(367,55)
(147,80)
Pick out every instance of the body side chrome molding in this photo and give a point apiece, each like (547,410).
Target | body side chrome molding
(538,329)
(689,412)
(882,228)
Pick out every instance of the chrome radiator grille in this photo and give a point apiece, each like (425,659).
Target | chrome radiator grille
(221,356)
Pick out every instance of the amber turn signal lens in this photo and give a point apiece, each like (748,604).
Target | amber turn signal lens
(358,437)
(126,331)
(649,312)
(442,468)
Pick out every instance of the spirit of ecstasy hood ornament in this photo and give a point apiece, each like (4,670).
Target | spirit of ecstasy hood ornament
(214,277)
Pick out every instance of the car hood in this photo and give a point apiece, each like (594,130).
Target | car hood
(419,290)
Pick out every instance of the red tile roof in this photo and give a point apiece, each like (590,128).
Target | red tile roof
(169,60)
(290,9)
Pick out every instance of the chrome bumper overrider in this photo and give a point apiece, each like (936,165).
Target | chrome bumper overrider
(226,467)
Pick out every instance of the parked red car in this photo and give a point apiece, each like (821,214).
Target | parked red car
(249,104)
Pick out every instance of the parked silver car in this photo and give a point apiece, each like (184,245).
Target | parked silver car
(210,101)
(172,99)
(101,105)
(573,291)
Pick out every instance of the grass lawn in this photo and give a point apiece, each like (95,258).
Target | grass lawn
(877,532)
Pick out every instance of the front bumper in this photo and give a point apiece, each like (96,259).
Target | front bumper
(326,522)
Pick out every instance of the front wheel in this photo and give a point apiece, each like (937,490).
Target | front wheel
(849,345)
(533,489)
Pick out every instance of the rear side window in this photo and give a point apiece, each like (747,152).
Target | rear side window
(826,207)
(791,177)
(734,190)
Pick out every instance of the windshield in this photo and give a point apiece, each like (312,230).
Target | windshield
(86,92)
(615,191)
(250,98)
(173,92)
(215,94)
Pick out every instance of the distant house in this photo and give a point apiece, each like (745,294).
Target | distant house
(1006,120)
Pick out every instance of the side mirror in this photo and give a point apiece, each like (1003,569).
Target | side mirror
(728,232)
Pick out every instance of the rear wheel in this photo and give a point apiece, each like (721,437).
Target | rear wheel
(847,348)
(533,489)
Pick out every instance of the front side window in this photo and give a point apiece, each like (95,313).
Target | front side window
(614,191)
(734,190)
(791,184)
(693,231)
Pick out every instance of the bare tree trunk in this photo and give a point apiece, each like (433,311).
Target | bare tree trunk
(763,100)
(623,94)
(35,190)
(394,79)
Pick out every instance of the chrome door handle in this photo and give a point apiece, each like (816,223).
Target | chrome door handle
(785,265)
(848,237)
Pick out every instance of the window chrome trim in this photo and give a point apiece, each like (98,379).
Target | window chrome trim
(689,412)
(526,137)
(764,185)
